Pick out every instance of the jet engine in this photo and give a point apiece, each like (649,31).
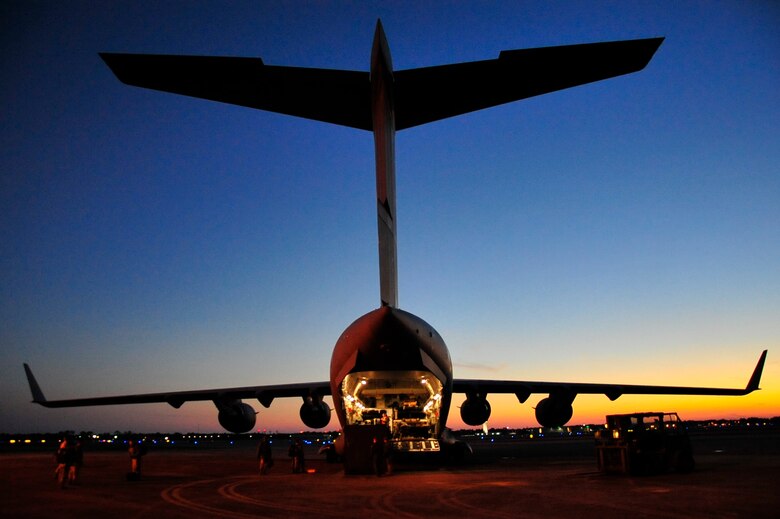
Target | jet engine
(315,413)
(236,417)
(553,412)
(475,410)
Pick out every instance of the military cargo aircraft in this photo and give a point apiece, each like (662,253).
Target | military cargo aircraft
(390,371)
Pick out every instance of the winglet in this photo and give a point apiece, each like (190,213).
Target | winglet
(35,389)
(755,379)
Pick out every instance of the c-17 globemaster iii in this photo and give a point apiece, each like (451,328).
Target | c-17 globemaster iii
(390,371)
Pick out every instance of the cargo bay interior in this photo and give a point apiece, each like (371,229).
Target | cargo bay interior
(408,403)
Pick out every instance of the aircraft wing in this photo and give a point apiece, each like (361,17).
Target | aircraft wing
(422,95)
(524,389)
(264,394)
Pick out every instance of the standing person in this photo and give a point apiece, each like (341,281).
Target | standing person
(136,452)
(387,446)
(77,459)
(63,459)
(296,453)
(389,451)
(264,455)
(378,455)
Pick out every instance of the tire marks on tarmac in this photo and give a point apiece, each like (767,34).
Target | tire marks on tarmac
(404,496)
(445,498)
(455,499)
(238,497)
(285,507)
(175,496)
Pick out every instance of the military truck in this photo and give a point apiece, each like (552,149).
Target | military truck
(644,443)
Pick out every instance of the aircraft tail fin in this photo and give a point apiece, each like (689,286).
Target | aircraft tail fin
(35,389)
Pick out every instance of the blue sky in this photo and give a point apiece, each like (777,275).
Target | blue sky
(624,231)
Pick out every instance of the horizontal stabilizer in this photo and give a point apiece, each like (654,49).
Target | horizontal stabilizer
(421,95)
(334,96)
(424,95)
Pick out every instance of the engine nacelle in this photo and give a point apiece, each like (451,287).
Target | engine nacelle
(551,412)
(475,410)
(237,417)
(315,413)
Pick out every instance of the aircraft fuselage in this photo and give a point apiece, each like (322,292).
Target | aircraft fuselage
(392,369)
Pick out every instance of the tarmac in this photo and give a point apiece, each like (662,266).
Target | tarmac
(735,476)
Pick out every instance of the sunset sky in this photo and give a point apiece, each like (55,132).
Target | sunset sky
(626,231)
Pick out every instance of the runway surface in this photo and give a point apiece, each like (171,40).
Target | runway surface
(733,478)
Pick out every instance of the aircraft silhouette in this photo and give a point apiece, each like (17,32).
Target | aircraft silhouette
(390,371)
